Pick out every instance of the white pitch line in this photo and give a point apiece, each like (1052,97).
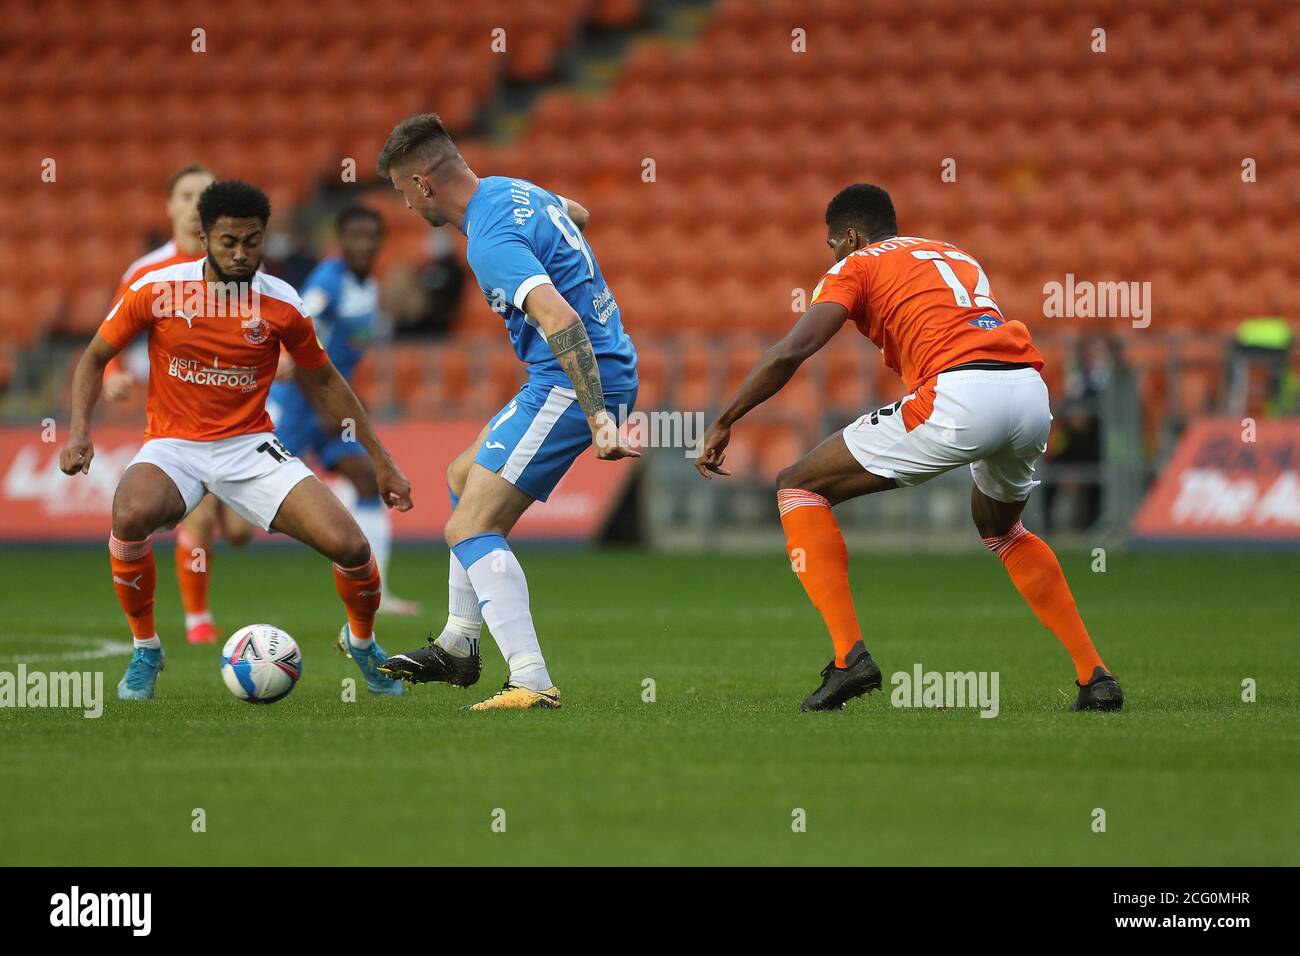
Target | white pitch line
(100,647)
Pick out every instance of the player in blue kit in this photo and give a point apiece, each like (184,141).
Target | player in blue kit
(343,299)
(527,251)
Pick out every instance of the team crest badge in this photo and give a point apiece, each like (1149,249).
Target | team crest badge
(256,330)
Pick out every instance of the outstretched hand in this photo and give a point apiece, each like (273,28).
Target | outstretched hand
(394,489)
(712,451)
(76,455)
(607,442)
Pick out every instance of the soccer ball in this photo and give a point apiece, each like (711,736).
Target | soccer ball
(260,663)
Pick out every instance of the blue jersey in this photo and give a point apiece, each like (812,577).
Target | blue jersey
(519,237)
(344,309)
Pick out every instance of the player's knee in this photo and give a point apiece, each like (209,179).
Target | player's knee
(201,524)
(133,521)
(992,522)
(456,529)
(351,550)
(462,524)
(456,473)
(793,476)
(238,534)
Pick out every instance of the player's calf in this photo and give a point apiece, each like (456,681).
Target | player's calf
(1037,575)
(134,581)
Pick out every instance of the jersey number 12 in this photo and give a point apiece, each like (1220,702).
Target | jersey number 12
(980,298)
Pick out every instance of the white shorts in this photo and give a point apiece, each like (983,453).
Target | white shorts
(253,474)
(995,420)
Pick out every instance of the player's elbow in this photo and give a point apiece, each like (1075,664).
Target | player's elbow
(788,354)
(97,355)
(557,321)
(319,379)
(578,213)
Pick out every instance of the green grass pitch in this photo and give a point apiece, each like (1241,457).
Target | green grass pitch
(714,769)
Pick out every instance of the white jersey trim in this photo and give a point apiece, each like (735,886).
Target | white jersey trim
(165,251)
(263,284)
(555,405)
(527,286)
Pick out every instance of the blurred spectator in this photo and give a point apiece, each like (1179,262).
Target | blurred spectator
(1261,383)
(289,254)
(1077,437)
(423,301)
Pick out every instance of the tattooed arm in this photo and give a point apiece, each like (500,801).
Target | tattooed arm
(568,339)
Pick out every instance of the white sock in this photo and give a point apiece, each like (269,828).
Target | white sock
(360,643)
(502,590)
(151,642)
(194,620)
(372,518)
(464,626)
(458,640)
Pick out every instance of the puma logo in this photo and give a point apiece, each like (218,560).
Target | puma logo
(189,319)
(133,583)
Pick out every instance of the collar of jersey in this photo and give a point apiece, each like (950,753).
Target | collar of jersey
(478,191)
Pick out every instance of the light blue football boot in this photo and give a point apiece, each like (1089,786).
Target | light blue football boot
(141,674)
(369,659)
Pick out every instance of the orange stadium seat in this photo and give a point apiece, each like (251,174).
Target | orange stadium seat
(1124,165)
(282,93)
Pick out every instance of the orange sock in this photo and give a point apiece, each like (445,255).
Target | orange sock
(193,584)
(134,579)
(359,589)
(821,561)
(1038,577)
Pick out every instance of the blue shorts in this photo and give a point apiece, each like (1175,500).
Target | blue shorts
(298,428)
(532,441)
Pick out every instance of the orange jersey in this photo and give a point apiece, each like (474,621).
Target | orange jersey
(927,306)
(165,255)
(210,367)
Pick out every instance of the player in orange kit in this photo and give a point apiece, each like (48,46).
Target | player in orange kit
(975,397)
(194,535)
(215,329)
